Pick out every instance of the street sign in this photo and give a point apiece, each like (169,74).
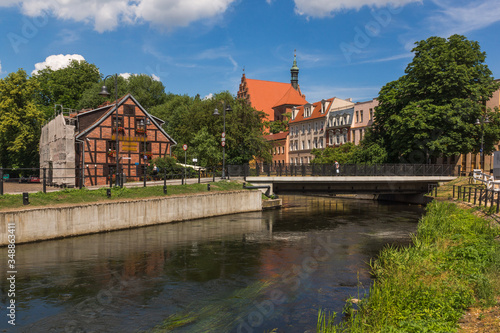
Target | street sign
(223,143)
(223,139)
(223,134)
(185,147)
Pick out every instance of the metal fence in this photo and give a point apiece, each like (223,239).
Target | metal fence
(39,179)
(478,196)
(262,169)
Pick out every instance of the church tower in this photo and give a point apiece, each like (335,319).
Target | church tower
(294,71)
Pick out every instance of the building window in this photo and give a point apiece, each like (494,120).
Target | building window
(309,128)
(357,116)
(303,128)
(353,136)
(371,114)
(303,144)
(128,110)
(120,122)
(308,144)
(315,143)
(111,145)
(361,115)
(144,147)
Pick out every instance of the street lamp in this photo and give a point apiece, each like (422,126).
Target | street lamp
(484,120)
(104,92)
(216,113)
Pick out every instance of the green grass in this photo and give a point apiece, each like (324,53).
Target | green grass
(77,196)
(453,263)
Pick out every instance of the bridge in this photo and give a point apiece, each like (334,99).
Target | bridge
(397,182)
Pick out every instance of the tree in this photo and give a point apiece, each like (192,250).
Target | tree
(206,148)
(431,111)
(20,121)
(278,126)
(191,119)
(67,85)
(147,91)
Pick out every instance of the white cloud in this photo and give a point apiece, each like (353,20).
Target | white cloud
(56,62)
(108,14)
(459,17)
(324,8)
(209,96)
(125,75)
(0,67)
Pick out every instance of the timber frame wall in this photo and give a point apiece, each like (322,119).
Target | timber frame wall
(139,142)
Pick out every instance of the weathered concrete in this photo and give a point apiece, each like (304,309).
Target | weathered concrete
(48,223)
(272,204)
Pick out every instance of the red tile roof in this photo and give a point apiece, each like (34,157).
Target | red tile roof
(315,114)
(277,136)
(264,95)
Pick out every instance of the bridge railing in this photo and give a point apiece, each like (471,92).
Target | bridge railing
(263,169)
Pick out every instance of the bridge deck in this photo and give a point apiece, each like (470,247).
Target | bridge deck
(350,184)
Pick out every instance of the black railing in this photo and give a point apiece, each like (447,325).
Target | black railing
(263,169)
(480,196)
(94,176)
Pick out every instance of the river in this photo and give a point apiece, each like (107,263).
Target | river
(250,272)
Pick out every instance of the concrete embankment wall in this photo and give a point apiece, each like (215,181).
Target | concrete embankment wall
(47,223)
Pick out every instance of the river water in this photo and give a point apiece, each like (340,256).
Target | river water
(249,272)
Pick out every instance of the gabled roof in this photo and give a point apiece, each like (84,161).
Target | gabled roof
(265,95)
(316,112)
(112,108)
(291,97)
(277,136)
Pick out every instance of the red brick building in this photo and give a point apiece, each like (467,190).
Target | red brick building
(90,139)
(280,147)
(273,98)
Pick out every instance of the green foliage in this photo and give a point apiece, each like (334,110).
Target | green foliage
(144,88)
(20,121)
(431,111)
(191,121)
(66,85)
(169,166)
(278,126)
(367,152)
(428,286)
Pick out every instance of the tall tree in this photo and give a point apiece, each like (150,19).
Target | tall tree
(191,121)
(66,85)
(431,111)
(144,88)
(20,121)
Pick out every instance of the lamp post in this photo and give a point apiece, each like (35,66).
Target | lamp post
(484,120)
(104,92)
(216,113)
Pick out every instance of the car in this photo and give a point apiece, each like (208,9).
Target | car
(29,179)
(34,179)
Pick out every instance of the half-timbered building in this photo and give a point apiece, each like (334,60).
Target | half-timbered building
(93,139)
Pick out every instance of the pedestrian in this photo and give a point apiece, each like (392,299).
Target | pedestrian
(337,167)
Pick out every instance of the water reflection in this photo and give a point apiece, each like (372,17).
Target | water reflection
(248,272)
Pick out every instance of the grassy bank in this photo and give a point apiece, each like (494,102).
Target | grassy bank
(452,264)
(77,196)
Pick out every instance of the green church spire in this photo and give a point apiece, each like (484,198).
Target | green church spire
(294,71)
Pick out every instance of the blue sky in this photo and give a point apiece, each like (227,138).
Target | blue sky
(345,48)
